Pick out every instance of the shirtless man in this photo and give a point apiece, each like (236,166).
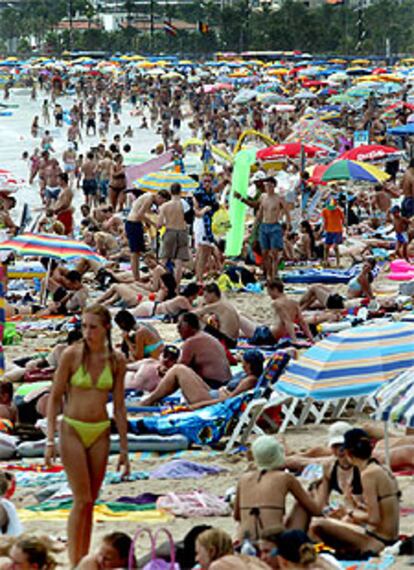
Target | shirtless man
(63,206)
(287,314)
(134,225)
(90,184)
(226,314)
(407,187)
(202,353)
(52,172)
(74,135)
(174,244)
(271,236)
(104,171)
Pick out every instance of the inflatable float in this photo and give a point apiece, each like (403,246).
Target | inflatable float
(401,270)
(135,443)
(320,275)
(26,270)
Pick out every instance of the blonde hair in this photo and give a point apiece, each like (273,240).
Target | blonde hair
(217,542)
(105,316)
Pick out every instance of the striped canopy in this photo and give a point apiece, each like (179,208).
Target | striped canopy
(395,401)
(351,363)
(354,170)
(50,246)
(162,181)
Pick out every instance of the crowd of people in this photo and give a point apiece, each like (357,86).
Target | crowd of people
(163,260)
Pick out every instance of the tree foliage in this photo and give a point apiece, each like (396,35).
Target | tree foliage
(325,29)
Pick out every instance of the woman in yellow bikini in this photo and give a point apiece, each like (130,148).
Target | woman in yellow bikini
(87,372)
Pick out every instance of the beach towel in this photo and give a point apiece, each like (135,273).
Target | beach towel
(194,504)
(101,513)
(181,469)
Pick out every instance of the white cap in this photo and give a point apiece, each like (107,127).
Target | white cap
(337,432)
(259,176)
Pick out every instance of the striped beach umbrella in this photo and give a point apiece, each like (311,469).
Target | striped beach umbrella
(395,400)
(352,363)
(48,245)
(162,181)
(354,170)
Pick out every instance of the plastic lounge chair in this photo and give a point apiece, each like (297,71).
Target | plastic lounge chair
(258,401)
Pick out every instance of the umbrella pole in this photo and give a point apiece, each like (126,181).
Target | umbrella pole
(387,444)
(43,294)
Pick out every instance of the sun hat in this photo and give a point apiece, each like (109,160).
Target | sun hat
(336,433)
(268,453)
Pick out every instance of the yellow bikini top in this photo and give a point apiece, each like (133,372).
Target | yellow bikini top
(82,379)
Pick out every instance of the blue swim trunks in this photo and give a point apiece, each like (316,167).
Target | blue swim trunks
(402,237)
(270,236)
(333,238)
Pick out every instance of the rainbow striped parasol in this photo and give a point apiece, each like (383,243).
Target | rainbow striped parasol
(50,246)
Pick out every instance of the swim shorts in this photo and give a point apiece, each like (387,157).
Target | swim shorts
(90,187)
(333,238)
(271,236)
(52,193)
(263,336)
(174,245)
(135,235)
(402,237)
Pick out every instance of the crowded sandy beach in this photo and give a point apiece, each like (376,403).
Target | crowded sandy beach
(206,310)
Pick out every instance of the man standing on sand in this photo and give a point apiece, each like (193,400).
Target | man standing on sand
(407,186)
(271,234)
(63,206)
(90,183)
(174,244)
(134,225)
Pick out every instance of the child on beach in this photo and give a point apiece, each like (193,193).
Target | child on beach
(401,225)
(333,222)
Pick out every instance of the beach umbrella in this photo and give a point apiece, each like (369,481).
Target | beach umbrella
(316,171)
(270,98)
(305,95)
(291,150)
(49,245)
(244,96)
(352,363)
(162,181)
(369,152)
(359,92)
(402,130)
(353,170)
(341,98)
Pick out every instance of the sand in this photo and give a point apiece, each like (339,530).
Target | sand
(296,439)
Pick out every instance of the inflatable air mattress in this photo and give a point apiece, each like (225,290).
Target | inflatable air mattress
(320,275)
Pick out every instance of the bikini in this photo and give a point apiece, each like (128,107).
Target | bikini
(150,348)
(397,494)
(90,431)
(256,511)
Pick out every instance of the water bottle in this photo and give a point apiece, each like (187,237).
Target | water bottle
(247,548)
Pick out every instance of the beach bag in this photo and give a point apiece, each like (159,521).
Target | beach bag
(155,563)
(220,222)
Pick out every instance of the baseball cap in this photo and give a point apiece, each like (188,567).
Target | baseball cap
(336,433)
(259,176)
(268,453)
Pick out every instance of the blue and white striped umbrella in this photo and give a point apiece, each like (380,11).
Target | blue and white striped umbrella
(352,363)
(395,401)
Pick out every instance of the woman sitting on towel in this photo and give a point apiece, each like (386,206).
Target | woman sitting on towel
(140,340)
(375,526)
(261,494)
(196,392)
(88,371)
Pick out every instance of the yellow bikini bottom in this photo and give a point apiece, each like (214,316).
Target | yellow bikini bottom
(88,431)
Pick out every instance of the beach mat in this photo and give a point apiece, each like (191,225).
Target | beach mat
(187,453)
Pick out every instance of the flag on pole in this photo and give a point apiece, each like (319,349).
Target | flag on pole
(170,28)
